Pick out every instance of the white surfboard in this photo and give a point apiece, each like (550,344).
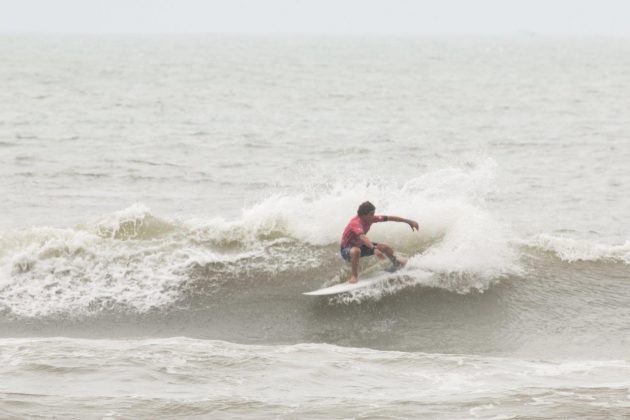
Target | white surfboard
(346,287)
(349,287)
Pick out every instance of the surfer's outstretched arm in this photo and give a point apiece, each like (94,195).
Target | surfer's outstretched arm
(412,223)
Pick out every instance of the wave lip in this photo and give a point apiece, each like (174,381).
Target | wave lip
(572,250)
(134,222)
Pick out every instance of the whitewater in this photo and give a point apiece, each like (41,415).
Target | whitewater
(167,200)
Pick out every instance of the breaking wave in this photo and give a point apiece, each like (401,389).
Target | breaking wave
(133,260)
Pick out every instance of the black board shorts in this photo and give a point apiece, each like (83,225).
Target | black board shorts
(365,251)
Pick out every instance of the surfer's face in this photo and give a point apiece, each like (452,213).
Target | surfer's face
(369,218)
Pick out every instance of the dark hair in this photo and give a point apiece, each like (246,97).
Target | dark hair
(365,208)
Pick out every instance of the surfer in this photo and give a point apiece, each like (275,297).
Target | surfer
(354,243)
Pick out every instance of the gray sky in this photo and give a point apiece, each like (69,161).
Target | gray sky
(508,17)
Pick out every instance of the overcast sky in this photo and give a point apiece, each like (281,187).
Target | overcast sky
(505,17)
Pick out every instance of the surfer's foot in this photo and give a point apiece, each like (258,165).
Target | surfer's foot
(353,279)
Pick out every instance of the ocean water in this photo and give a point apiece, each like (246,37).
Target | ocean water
(168,199)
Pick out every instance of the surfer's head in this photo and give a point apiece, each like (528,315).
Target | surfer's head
(366,210)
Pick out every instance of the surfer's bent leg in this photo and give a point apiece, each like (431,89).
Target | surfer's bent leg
(387,250)
(355,254)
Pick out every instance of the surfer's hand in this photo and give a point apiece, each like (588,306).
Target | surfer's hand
(414,225)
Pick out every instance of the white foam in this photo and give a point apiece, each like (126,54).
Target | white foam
(124,263)
(74,272)
(66,271)
(474,252)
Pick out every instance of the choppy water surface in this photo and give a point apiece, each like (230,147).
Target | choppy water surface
(168,200)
